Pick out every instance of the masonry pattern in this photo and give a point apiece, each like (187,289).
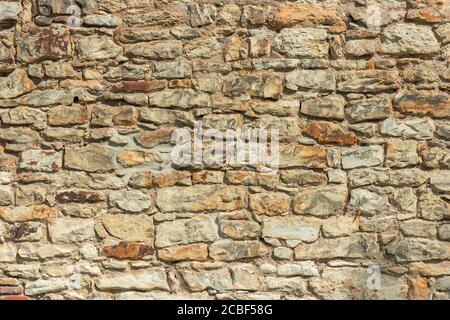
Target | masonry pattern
(91,205)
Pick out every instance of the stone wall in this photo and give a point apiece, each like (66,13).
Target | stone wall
(92,205)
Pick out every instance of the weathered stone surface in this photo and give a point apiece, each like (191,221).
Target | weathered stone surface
(358,245)
(229,250)
(293,155)
(418,228)
(39,160)
(201,228)
(287,128)
(443,284)
(270,204)
(101,20)
(240,229)
(249,178)
(322,80)
(195,252)
(150,279)
(339,226)
(94,203)
(96,48)
(15,84)
(267,86)
(369,203)
(6,196)
(430,269)
(201,14)
(253,16)
(67,135)
(362,47)
(405,199)
(423,103)
(92,158)
(8,252)
(223,122)
(39,287)
(22,214)
(65,115)
(167,117)
(200,198)
(302,43)
(279,64)
(434,12)
(24,231)
(180,98)
(324,201)
(156,50)
(20,136)
(306,268)
(40,44)
(370,81)
(409,129)
(352,283)
(171,179)
(9,12)
(70,229)
(418,250)
(218,279)
(59,69)
(398,178)
(439,180)
(24,116)
(302,177)
(363,157)
(294,285)
(290,15)
(330,133)
(106,116)
(405,38)
(127,250)
(433,208)
(401,153)
(444,33)
(435,157)
(177,69)
(291,228)
(368,109)
(132,201)
(128,227)
(330,107)
(50,97)
(444,232)
(418,288)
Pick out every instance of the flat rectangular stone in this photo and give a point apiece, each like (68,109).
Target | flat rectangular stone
(201,198)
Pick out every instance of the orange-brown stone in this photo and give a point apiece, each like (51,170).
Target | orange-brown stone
(435,11)
(330,133)
(294,155)
(424,103)
(149,139)
(128,250)
(418,288)
(291,15)
(192,252)
(170,179)
(22,214)
(20,297)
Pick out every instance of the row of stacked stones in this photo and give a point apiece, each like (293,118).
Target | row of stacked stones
(92,205)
